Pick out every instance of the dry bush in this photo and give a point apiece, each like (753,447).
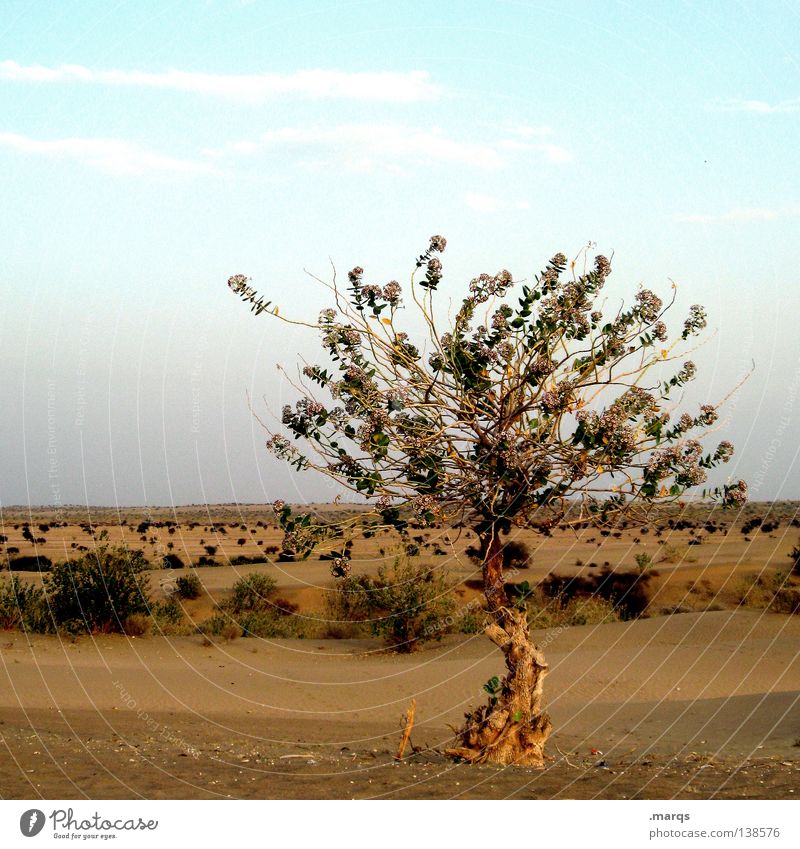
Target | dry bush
(136,625)
(231,631)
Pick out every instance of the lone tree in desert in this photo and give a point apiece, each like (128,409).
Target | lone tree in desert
(527,414)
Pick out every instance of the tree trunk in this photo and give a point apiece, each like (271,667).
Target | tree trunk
(511,729)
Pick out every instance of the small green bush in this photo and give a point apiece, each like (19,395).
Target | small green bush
(188,587)
(406,605)
(168,618)
(99,591)
(253,623)
(22,606)
(251,593)
(251,611)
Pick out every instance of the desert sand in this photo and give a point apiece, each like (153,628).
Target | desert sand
(696,705)
(698,698)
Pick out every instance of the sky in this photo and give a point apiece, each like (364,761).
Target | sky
(150,150)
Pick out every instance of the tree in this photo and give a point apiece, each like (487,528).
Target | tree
(525,414)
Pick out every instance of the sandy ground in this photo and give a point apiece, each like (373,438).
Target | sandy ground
(695,705)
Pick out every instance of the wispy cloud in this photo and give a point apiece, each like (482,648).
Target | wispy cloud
(759,106)
(388,145)
(551,152)
(112,156)
(743,214)
(488,203)
(387,86)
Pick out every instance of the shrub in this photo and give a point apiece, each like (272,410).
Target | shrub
(136,625)
(231,631)
(643,562)
(769,592)
(99,591)
(172,561)
(516,555)
(245,560)
(168,618)
(627,592)
(406,606)
(558,612)
(22,606)
(30,563)
(285,607)
(251,593)
(202,560)
(268,624)
(794,556)
(188,586)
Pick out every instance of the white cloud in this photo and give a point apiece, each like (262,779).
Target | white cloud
(759,106)
(529,132)
(551,152)
(742,214)
(113,156)
(481,203)
(385,145)
(387,141)
(389,86)
(487,203)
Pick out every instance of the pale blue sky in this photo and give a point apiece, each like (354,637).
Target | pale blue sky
(148,150)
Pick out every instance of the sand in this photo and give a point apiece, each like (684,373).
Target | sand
(695,705)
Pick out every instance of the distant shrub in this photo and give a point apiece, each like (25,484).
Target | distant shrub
(202,560)
(794,556)
(251,593)
(172,561)
(643,561)
(627,592)
(30,563)
(771,591)
(99,591)
(245,560)
(516,555)
(188,586)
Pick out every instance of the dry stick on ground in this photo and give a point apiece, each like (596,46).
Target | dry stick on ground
(407,726)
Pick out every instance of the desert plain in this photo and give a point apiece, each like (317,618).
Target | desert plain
(695,693)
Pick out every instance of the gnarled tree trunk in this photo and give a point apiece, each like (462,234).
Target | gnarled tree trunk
(511,729)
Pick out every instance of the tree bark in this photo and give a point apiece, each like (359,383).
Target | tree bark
(512,728)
